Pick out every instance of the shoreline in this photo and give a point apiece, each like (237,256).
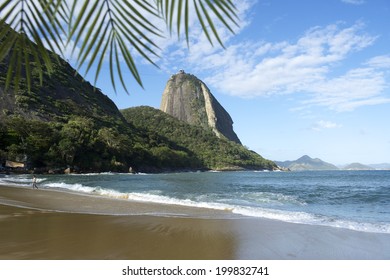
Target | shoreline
(67,201)
(51,224)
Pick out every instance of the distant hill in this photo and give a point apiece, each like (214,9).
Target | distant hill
(357,166)
(306,163)
(380,166)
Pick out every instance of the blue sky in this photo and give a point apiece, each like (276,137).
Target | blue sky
(297,77)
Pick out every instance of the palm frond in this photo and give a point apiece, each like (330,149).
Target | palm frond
(29,30)
(223,10)
(113,29)
(116,28)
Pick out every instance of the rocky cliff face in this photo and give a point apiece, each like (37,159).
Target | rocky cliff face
(188,99)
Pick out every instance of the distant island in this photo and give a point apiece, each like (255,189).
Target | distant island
(357,166)
(307,163)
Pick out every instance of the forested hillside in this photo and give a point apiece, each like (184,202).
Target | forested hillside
(210,150)
(67,123)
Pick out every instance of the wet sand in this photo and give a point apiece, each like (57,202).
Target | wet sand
(49,224)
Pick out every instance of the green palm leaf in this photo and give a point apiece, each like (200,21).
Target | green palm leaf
(224,10)
(113,27)
(117,29)
(28,28)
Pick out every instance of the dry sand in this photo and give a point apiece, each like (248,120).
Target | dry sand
(47,224)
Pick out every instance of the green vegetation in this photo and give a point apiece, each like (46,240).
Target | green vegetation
(101,29)
(66,122)
(211,151)
(152,141)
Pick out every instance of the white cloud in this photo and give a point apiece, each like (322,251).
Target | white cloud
(306,67)
(359,87)
(321,125)
(382,61)
(200,55)
(354,2)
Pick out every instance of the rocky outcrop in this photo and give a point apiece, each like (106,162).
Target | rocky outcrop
(188,99)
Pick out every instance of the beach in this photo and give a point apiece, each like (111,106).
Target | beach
(53,224)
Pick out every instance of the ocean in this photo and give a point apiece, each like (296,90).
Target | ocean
(357,200)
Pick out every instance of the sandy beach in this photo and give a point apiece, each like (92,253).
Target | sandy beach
(51,224)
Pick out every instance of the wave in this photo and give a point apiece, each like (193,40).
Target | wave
(270,198)
(72,187)
(22,180)
(228,205)
(311,219)
(107,173)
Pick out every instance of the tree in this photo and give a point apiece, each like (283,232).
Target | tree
(77,138)
(106,28)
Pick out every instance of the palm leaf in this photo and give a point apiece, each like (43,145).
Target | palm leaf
(186,20)
(101,60)
(73,26)
(112,76)
(107,20)
(210,22)
(133,13)
(118,64)
(228,10)
(43,28)
(11,10)
(224,10)
(202,22)
(11,65)
(88,40)
(29,20)
(26,63)
(99,45)
(101,28)
(220,16)
(7,39)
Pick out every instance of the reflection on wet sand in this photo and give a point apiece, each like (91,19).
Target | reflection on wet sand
(45,224)
(27,234)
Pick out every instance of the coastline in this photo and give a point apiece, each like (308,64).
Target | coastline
(51,224)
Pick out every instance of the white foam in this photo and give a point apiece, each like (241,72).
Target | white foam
(275,214)
(270,198)
(287,216)
(360,226)
(22,180)
(310,219)
(73,187)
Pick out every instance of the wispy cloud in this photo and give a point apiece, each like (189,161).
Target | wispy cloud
(176,54)
(354,2)
(310,67)
(359,87)
(382,61)
(321,125)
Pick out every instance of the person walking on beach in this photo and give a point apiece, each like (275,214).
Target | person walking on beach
(34,182)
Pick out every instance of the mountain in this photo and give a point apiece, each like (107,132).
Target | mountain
(187,98)
(204,147)
(306,163)
(380,166)
(67,123)
(357,166)
(64,93)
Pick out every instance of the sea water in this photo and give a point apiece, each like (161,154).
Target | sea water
(358,200)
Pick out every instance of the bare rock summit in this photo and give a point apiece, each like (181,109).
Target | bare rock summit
(187,98)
